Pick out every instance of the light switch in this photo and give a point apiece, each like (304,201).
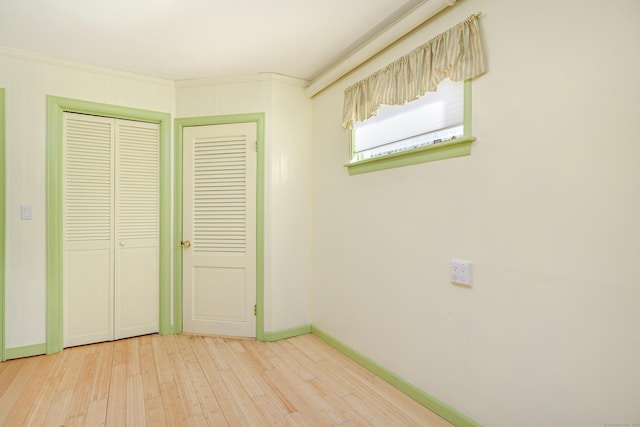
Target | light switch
(26,212)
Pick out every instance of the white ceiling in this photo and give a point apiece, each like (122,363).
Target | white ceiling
(185,39)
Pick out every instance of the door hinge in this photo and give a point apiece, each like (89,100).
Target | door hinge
(255,145)
(255,309)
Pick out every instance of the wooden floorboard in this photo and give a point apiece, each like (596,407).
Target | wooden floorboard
(191,380)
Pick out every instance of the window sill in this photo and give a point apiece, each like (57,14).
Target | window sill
(430,153)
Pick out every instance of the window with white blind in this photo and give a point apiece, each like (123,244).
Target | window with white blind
(418,108)
(436,126)
(434,118)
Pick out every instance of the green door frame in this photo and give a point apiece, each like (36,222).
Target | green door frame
(2,220)
(55,108)
(259,119)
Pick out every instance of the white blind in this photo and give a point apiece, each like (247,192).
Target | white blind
(432,112)
(88,174)
(219,180)
(137,186)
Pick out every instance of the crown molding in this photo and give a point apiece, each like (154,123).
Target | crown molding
(396,30)
(248,78)
(48,60)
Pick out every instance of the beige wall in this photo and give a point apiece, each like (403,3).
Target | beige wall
(287,180)
(28,80)
(546,208)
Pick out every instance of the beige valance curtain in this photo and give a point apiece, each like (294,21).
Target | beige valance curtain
(456,54)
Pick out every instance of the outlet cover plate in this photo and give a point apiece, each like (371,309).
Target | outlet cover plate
(460,272)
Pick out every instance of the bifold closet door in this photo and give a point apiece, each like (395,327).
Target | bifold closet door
(88,201)
(137,229)
(110,229)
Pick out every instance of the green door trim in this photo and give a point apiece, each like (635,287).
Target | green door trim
(55,108)
(2,219)
(259,119)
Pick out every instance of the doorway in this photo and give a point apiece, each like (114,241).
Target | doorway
(257,119)
(56,107)
(218,227)
(110,228)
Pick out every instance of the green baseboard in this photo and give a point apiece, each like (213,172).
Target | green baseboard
(445,411)
(26,351)
(286,333)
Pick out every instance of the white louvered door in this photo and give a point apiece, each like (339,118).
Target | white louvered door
(137,221)
(110,229)
(88,153)
(219,219)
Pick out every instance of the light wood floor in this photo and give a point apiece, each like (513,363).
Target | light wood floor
(202,381)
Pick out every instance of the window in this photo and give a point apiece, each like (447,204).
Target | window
(436,126)
(435,117)
(388,131)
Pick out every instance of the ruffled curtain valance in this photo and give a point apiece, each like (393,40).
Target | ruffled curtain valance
(456,54)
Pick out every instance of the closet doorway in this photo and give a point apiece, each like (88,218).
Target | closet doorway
(110,228)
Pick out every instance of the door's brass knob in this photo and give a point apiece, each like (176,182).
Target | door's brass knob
(185,244)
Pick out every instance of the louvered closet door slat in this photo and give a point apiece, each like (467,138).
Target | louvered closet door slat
(219,193)
(88,178)
(87,229)
(137,180)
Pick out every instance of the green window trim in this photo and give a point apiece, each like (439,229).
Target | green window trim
(56,106)
(445,150)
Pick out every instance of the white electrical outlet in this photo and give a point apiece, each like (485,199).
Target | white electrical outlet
(460,272)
